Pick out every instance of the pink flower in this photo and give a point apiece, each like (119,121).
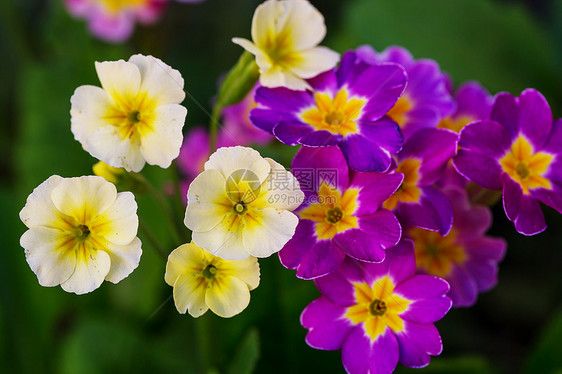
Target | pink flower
(114,21)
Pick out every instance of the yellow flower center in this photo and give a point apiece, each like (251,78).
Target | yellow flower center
(81,232)
(116,6)
(335,115)
(333,213)
(132,115)
(408,192)
(525,166)
(436,254)
(455,125)
(377,307)
(400,110)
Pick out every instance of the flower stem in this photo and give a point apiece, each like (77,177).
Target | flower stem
(152,240)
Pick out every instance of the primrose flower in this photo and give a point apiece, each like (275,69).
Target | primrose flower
(426,99)
(422,161)
(135,118)
(285,36)
(474,103)
(465,258)
(81,231)
(346,107)
(202,281)
(341,215)
(241,205)
(113,20)
(521,153)
(378,314)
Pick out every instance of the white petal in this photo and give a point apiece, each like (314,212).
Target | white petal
(124,259)
(120,79)
(247,270)
(271,230)
(89,273)
(52,265)
(224,240)
(266,21)
(278,77)
(186,259)
(230,159)
(162,83)
(247,45)
(304,23)
(119,223)
(107,144)
(39,208)
(83,198)
(314,61)
(206,201)
(189,294)
(162,145)
(89,105)
(283,189)
(228,296)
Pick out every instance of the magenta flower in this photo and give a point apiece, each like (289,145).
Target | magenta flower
(341,214)
(518,151)
(237,126)
(114,21)
(378,314)
(422,161)
(426,99)
(346,108)
(474,103)
(465,257)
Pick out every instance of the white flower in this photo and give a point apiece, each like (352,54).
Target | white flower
(136,116)
(81,231)
(285,36)
(202,281)
(241,204)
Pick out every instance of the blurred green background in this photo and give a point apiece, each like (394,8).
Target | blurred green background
(133,326)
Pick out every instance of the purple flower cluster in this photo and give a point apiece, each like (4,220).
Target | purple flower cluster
(394,163)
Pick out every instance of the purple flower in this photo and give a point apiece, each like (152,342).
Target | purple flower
(426,99)
(341,214)
(519,151)
(422,161)
(378,314)
(114,21)
(474,103)
(346,108)
(237,125)
(464,257)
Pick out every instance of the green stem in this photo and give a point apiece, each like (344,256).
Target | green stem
(202,330)
(217,109)
(152,240)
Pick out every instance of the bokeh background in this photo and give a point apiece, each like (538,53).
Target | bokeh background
(133,326)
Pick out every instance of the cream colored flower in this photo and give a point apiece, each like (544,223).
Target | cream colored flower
(202,281)
(109,173)
(135,117)
(81,231)
(241,205)
(285,36)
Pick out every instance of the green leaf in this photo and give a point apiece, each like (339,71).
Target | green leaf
(247,355)
(547,355)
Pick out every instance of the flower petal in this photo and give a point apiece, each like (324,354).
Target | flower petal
(162,144)
(92,266)
(269,231)
(120,79)
(52,265)
(283,189)
(228,296)
(227,160)
(119,223)
(39,209)
(327,328)
(164,84)
(189,295)
(124,259)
